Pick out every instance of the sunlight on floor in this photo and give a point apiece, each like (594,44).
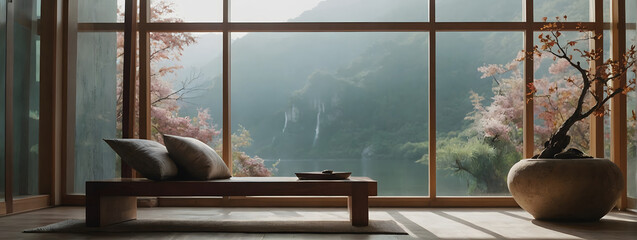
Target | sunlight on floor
(486,224)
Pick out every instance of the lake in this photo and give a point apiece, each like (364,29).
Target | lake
(395,177)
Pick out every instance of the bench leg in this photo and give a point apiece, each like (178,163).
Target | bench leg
(358,206)
(106,210)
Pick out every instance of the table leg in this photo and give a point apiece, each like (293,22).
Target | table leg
(106,210)
(358,205)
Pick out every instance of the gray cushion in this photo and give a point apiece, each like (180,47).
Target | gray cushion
(148,157)
(195,158)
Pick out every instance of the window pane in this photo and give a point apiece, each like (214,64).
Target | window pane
(631,14)
(576,10)
(97,108)
(631,35)
(329,11)
(186,87)
(479,106)
(478,11)
(102,11)
(3,51)
(556,98)
(26,99)
(341,101)
(607,133)
(187,10)
(606,10)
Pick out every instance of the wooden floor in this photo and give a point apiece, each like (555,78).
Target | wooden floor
(429,223)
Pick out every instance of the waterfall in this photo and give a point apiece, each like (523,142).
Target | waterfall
(320,108)
(318,123)
(365,158)
(285,123)
(290,115)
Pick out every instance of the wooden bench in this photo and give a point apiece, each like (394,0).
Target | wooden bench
(114,201)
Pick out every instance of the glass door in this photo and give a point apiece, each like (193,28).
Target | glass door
(26,97)
(19,104)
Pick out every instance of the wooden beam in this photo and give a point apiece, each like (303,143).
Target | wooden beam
(129,88)
(618,127)
(69,72)
(596,144)
(8,127)
(432,104)
(334,26)
(227,127)
(144,74)
(181,27)
(50,99)
(528,122)
(100,27)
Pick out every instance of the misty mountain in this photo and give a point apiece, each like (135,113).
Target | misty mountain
(344,95)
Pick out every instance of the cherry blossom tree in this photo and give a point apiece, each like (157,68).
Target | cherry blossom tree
(560,101)
(601,75)
(502,118)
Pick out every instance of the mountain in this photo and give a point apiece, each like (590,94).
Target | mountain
(351,94)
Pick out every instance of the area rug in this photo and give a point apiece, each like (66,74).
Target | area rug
(150,225)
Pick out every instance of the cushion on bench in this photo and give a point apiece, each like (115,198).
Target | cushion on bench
(148,157)
(197,159)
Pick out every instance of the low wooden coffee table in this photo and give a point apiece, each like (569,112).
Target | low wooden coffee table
(113,201)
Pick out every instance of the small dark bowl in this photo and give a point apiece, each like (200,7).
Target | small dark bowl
(323,176)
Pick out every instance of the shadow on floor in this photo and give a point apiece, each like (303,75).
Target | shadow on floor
(603,229)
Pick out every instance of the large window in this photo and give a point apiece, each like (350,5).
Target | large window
(342,101)
(380,88)
(479,106)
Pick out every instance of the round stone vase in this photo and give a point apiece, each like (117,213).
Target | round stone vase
(566,189)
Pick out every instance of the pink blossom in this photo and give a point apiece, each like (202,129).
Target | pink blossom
(558,67)
(491,70)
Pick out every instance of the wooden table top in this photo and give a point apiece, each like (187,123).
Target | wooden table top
(242,179)
(236,186)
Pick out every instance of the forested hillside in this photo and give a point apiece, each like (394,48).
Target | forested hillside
(371,88)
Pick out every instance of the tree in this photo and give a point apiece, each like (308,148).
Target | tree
(601,76)
(483,152)
(502,118)
(165,51)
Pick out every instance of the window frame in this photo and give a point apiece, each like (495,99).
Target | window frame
(528,26)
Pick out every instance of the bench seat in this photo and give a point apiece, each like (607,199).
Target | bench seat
(115,200)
